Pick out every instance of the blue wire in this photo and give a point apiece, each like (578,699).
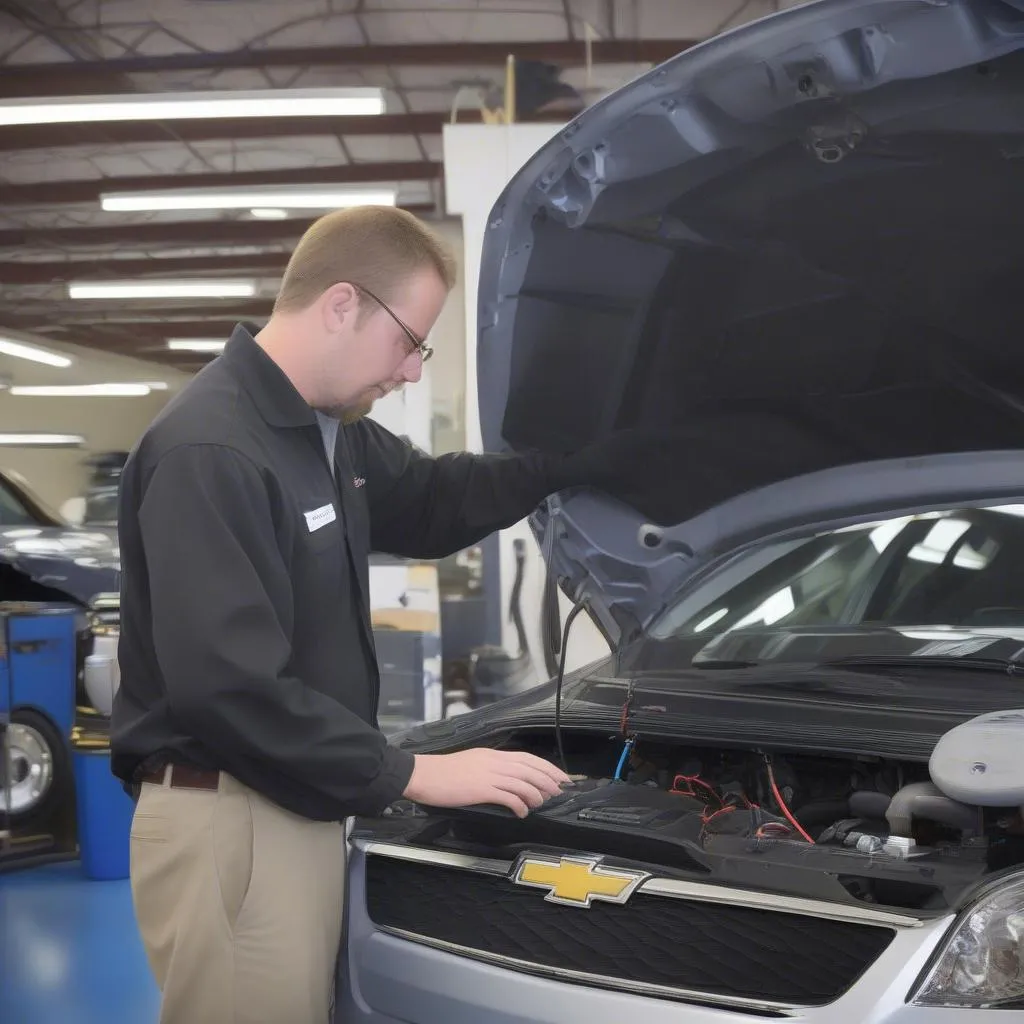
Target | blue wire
(622,759)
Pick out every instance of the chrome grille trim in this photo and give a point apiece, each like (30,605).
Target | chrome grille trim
(672,888)
(675,888)
(441,858)
(596,981)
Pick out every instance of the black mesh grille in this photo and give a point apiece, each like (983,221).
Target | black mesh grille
(713,949)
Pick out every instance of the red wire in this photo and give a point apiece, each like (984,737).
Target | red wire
(782,806)
(708,818)
(689,791)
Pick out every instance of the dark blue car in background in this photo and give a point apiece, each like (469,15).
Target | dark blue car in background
(43,558)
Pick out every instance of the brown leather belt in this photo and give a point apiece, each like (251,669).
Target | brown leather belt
(184,776)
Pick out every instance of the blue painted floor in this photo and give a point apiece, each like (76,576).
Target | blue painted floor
(70,951)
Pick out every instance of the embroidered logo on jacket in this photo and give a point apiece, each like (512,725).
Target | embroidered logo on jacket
(359,481)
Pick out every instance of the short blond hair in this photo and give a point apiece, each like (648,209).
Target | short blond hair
(378,247)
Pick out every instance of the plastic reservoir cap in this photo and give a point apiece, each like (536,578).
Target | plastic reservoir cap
(981,762)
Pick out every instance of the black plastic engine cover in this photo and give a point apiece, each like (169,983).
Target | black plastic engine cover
(646,824)
(605,815)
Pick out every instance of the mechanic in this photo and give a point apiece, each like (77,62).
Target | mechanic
(245,723)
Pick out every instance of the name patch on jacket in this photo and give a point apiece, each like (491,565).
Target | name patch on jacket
(320,517)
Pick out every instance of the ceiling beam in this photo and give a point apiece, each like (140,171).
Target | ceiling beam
(193,319)
(53,193)
(145,339)
(96,77)
(156,332)
(23,272)
(158,234)
(126,133)
(148,346)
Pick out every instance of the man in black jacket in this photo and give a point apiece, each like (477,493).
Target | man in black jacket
(246,716)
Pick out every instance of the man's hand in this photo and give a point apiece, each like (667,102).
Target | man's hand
(483,776)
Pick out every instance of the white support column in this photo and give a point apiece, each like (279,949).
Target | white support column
(479,161)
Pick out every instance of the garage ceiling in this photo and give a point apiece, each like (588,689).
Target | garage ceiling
(431,57)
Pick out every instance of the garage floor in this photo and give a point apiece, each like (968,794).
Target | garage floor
(70,951)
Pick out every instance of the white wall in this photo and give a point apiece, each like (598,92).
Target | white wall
(106,423)
(479,160)
(414,410)
(447,369)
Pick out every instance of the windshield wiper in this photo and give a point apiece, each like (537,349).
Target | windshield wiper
(1003,665)
(726,663)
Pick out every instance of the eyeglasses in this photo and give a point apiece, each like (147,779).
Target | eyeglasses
(418,344)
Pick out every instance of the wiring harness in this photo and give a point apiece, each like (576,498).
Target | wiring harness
(756,821)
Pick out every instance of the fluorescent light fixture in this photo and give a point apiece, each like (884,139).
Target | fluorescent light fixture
(116,390)
(196,344)
(270,201)
(269,213)
(41,440)
(194,105)
(200,289)
(21,350)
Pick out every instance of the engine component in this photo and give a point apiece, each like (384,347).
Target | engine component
(850,832)
(868,804)
(903,848)
(926,800)
(982,761)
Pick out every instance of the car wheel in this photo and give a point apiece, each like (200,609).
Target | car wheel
(37,769)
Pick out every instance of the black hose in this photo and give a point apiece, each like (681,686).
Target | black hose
(515,610)
(869,804)
(570,618)
(817,812)
(550,624)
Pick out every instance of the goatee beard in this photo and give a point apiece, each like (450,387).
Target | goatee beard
(352,413)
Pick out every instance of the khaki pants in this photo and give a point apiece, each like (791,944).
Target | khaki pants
(239,904)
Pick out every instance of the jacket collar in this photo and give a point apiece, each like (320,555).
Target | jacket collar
(274,394)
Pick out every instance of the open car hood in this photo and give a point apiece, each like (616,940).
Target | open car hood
(798,245)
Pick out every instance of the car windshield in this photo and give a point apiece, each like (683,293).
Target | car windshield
(957,569)
(21,506)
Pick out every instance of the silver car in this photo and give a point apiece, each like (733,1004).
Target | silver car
(800,771)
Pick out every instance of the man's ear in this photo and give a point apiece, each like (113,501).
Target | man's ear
(338,304)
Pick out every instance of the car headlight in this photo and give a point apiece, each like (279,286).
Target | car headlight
(981,963)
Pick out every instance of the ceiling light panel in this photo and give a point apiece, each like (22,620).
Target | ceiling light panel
(313,197)
(180,289)
(22,350)
(112,390)
(195,344)
(194,105)
(41,440)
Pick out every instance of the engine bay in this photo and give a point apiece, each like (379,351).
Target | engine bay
(861,829)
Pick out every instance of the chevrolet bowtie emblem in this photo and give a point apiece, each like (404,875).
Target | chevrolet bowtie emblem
(577,881)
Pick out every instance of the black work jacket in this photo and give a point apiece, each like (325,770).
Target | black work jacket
(246,643)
